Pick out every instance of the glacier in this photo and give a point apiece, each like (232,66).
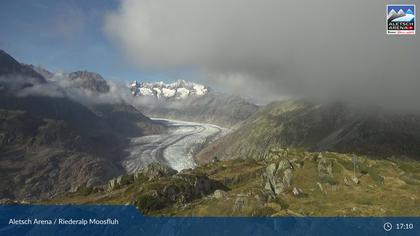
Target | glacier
(176,148)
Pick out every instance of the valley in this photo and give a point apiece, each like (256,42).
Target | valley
(76,138)
(174,148)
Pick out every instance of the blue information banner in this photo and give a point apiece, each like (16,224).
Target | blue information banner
(127,220)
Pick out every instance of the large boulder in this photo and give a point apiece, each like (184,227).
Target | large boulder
(278,177)
(219,194)
(297,192)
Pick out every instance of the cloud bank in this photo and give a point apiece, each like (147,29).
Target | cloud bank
(325,50)
(59,85)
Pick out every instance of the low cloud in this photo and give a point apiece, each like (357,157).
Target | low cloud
(325,50)
(59,85)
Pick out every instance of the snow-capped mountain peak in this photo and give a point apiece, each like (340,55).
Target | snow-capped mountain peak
(179,89)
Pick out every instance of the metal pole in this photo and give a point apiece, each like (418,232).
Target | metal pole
(354,165)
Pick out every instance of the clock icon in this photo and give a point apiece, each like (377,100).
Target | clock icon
(387,226)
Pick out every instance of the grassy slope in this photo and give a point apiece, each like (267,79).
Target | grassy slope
(386,188)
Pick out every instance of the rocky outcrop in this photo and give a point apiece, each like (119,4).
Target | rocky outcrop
(355,180)
(278,177)
(151,172)
(114,183)
(276,153)
(298,192)
(240,204)
(324,166)
(156,170)
(193,186)
(219,194)
(181,188)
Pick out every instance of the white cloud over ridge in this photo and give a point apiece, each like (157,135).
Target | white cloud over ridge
(325,50)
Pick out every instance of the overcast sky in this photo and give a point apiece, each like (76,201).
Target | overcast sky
(326,49)
(271,49)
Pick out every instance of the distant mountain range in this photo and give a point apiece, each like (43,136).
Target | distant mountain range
(180,89)
(185,100)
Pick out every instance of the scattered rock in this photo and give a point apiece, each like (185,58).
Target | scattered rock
(154,193)
(302,211)
(297,192)
(215,159)
(320,187)
(239,204)
(8,201)
(346,181)
(219,194)
(298,163)
(261,198)
(355,180)
(317,156)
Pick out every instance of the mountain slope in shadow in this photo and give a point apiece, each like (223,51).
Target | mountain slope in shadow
(51,145)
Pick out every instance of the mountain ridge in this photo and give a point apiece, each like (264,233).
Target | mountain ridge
(196,103)
(334,127)
(54,144)
(177,90)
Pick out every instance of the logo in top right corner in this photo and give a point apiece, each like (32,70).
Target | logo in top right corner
(401,19)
